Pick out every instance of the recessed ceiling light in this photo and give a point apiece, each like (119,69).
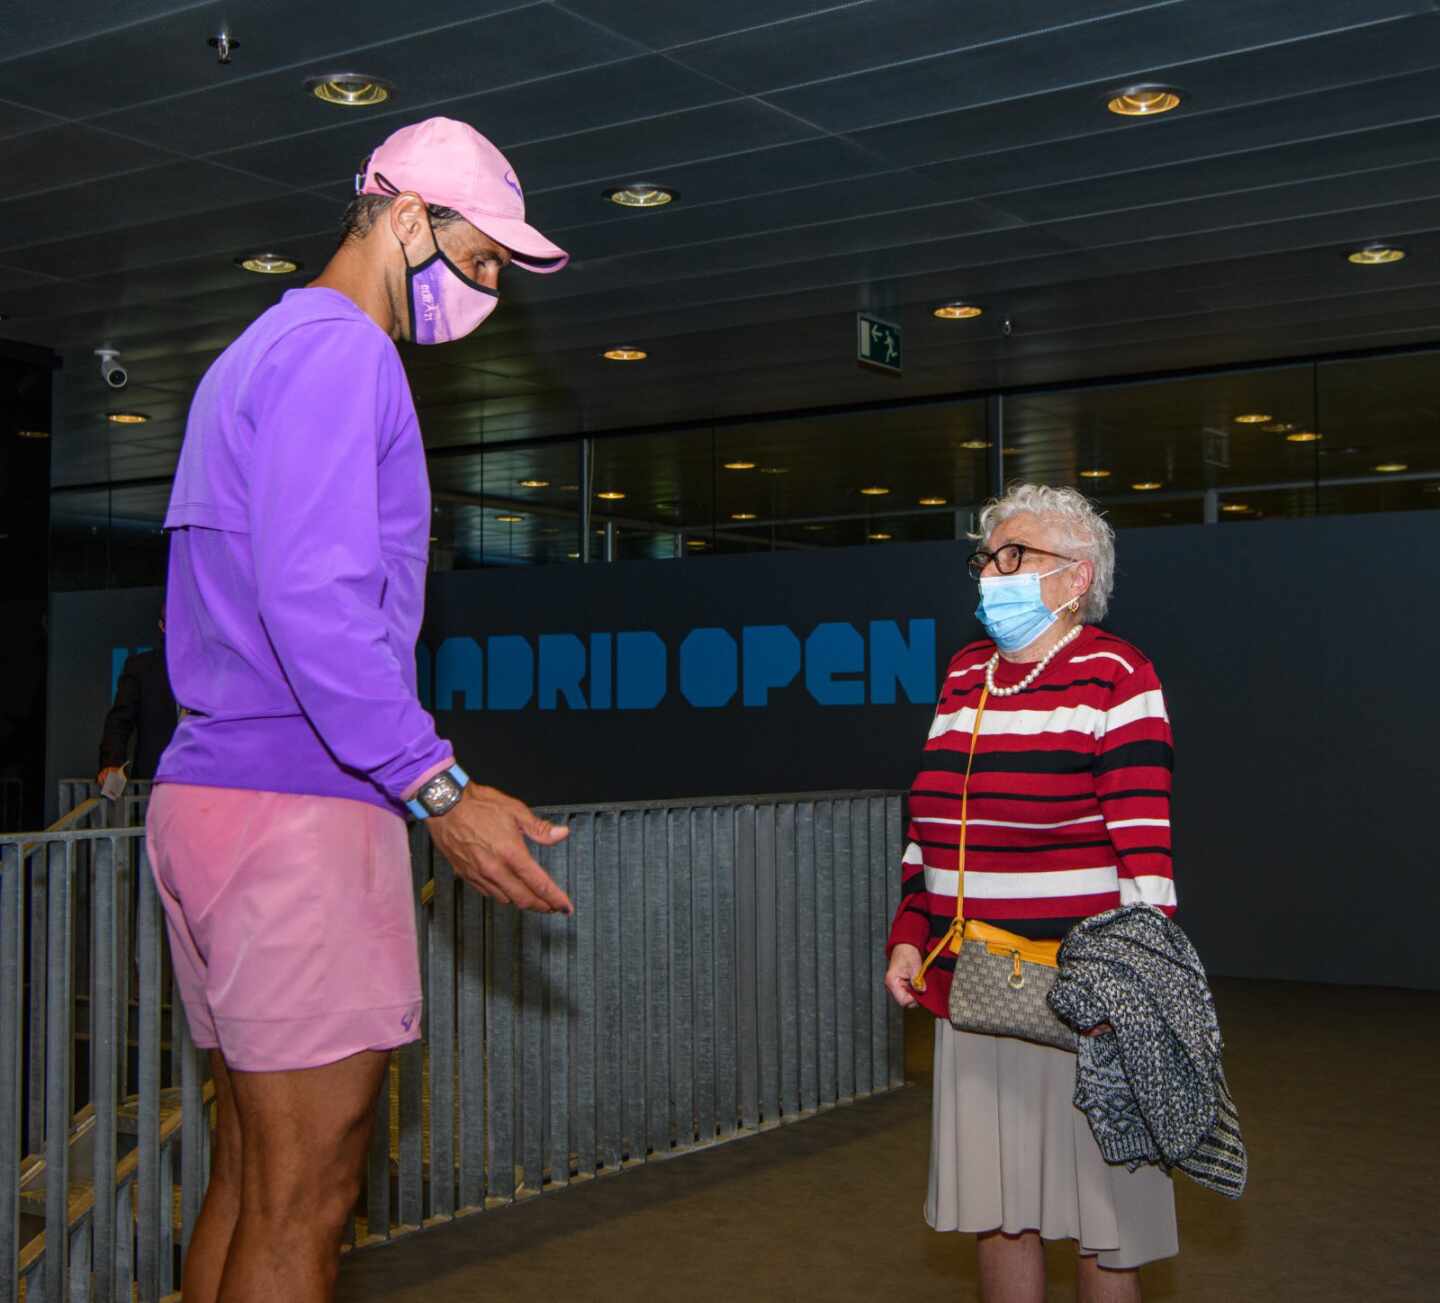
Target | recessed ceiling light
(696,542)
(509,519)
(32,434)
(350,90)
(126,418)
(434,538)
(739,465)
(1147,486)
(534,484)
(1304,436)
(641,194)
(932,502)
(742,515)
(1375,255)
(1145,101)
(1253,418)
(1235,508)
(1279,427)
(774,470)
(975,445)
(1097,473)
(1391,467)
(815,529)
(569,488)
(611,495)
(881,538)
(958,311)
(875,491)
(572,556)
(625,354)
(268,264)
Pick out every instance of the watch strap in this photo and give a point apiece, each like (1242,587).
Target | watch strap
(460,777)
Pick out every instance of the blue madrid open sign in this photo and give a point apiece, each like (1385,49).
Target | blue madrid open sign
(878,343)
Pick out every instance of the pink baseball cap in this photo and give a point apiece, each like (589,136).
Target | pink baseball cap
(451,165)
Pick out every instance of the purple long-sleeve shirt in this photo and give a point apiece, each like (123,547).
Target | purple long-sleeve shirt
(300,529)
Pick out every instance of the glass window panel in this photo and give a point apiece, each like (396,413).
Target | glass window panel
(1143,450)
(505,506)
(834,480)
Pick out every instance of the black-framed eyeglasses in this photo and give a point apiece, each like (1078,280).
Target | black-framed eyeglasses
(1008,559)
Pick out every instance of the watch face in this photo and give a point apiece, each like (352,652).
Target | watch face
(440,793)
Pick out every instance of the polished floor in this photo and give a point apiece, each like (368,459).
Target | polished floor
(1339,1092)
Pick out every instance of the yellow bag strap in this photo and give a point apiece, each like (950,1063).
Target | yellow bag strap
(956,931)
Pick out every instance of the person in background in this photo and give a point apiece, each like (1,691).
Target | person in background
(299,538)
(1068,816)
(144,710)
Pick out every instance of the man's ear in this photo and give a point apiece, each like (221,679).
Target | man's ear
(406,217)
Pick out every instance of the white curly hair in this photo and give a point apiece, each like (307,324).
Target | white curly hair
(1087,535)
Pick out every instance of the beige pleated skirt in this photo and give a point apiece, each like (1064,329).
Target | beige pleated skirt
(1010,1151)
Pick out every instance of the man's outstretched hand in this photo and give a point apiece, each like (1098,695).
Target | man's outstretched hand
(484,838)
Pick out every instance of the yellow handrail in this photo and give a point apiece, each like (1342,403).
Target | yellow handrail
(62,824)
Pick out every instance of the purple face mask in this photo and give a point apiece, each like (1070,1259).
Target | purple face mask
(445,304)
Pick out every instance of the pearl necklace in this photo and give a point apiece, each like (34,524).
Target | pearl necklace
(1034,674)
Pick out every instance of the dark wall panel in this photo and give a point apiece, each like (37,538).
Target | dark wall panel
(1304,735)
(25,411)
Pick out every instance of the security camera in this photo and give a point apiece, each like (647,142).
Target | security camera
(116,376)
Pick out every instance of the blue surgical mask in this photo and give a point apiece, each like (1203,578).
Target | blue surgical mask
(1013,611)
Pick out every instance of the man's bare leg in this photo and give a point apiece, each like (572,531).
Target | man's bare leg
(210,1239)
(304,1136)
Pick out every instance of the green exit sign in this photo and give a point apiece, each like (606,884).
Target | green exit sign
(878,343)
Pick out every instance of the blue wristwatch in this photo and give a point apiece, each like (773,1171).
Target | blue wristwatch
(439,794)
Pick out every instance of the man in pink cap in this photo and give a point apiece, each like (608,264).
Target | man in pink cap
(300,523)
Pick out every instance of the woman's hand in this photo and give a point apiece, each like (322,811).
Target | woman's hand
(905,962)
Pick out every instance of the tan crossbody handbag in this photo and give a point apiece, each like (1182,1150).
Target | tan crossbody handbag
(1001,979)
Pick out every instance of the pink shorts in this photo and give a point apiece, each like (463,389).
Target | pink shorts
(291,921)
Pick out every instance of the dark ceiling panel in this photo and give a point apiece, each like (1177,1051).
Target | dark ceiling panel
(29,28)
(431,67)
(67,155)
(246,224)
(662,23)
(1213,235)
(1119,49)
(169,56)
(623,153)
(1354,172)
(15,119)
(1276,93)
(110,205)
(1230,219)
(1371,112)
(854,236)
(850,39)
(537,110)
(716,180)
(14,280)
(817,206)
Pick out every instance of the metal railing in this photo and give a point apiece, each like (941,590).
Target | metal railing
(722,974)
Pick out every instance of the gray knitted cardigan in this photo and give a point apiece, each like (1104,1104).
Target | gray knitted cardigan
(1154,1090)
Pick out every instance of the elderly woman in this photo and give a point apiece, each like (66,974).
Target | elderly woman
(1068,815)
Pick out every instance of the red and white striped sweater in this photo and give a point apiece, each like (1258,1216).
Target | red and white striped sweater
(1069,809)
